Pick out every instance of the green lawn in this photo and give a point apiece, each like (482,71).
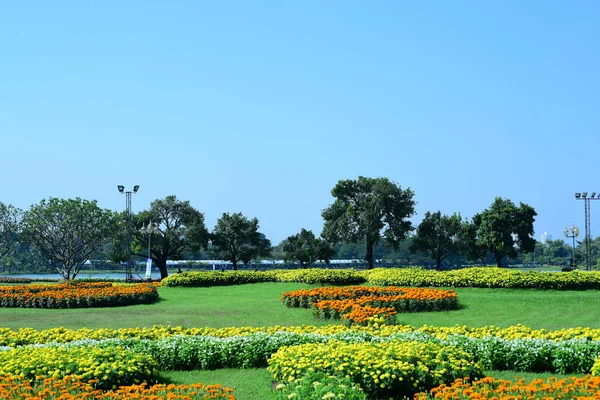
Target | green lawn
(259,305)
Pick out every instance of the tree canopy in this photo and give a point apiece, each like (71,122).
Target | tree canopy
(236,238)
(68,231)
(369,208)
(10,227)
(306,249)
(180,228)
(438,235)
(505,229)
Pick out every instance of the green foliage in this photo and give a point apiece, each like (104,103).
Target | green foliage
(67,232)
(305,248)
(504,228)
(369,208)
(438,234)
(236,238)
(180,229)
(319,386)
(10,227)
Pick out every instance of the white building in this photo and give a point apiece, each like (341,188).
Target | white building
(545,237)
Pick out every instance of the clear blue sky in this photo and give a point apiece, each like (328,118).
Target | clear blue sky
(261,107)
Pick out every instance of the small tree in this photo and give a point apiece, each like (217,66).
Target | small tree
(438,235)
(371,209)
(180,229)
(67,232)
(236,238)
(504,229)
(306,249)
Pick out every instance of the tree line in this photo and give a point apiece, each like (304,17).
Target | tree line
(370,216)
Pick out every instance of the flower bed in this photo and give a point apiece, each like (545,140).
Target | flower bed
(218,278)
(489,388)
(484,277)
(15,388)
(108,366)
(380,369)
(77,295)
(359,304)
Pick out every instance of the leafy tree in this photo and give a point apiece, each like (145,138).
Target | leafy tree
(438,235)
(504,229)
(305,248)
(67,232)
(180,229)
(369,208)
(10,227)
(236,238)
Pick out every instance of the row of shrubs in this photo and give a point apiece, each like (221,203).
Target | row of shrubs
(483,277)
(77,295)
(415,356)
(30,336)
(359,305)
(253,350)
(17,388)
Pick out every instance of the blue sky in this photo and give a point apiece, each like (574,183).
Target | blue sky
(261,107)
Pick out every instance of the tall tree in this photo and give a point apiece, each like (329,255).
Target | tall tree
(306,249)
(369,208)
(236,238)
(179,228)
(10,227)
(505,229)
(68,231)
(438,235)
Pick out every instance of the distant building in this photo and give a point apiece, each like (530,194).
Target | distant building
(545,237)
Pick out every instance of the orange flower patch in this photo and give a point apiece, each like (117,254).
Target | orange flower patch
(69,388)
(360,304)
(77,295)
(587,387)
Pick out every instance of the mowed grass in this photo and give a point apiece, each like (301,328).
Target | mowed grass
(258,305)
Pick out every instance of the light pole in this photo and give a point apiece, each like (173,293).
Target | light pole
(150,230)
(127,193)
(588,230)
(574,234)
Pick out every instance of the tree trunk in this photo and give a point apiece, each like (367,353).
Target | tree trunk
(438,263)
(234,262)
(369,256)
(498,259)
(162,267)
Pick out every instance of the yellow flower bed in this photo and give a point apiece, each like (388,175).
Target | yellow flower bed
(486,277)
(381,369)
(587,387)
(113,366)
(70,388)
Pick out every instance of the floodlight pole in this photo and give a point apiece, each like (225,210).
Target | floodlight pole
(574,234)
(588,234)
(128,275)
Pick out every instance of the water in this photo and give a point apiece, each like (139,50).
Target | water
(85,275)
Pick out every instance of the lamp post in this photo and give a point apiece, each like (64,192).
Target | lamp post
(574,234)
(150,230)
(588,230)
(127,194)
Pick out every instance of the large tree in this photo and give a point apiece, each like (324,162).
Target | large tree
(306,249)
(236,238)
(438,235)
(179,228)
(505,229)
(68,231)
(369,208)
(10,227)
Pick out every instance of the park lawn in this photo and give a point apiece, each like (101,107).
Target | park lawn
(259,305)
